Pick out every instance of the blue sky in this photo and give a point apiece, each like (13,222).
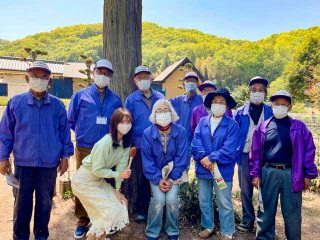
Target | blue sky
(235,19)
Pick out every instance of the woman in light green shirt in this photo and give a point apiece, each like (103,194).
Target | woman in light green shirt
(106,206)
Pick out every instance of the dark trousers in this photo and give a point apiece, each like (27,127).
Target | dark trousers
(137,187)
(248,215)
(275,182)
(41,181)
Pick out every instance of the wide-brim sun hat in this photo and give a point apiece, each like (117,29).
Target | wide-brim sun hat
(231,103)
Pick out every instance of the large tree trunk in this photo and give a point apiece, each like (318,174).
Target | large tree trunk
(122,26)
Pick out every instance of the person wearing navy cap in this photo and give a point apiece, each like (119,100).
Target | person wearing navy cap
(89,115)
(140,104)
(248,117)
(214,146)
(35,128)
(281,163)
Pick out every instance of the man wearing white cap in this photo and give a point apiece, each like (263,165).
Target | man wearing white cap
(281,164)
(89,116)
(140,104)
(249,116)
(35,128)
(184,104)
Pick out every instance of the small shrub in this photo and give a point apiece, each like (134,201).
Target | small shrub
(3,100)
(67,195)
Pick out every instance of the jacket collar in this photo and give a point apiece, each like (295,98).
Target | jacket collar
(30,98)
(294,124)
(246,108)
(223,122)
(138,95)
(155,131)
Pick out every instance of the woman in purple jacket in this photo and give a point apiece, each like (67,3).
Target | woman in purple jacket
(281,163)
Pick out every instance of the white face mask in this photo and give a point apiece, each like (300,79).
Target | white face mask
(144,84)
(38,85)
(163,119)
(218,109)
(280,112)
(203,97)
(190,86)
(124,128)
(257,97)
(101,81)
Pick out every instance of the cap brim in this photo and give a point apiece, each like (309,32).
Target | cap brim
(275,97)
(231,103)
(32,68)
(104,67)
(260,80)
(202,86)
(141,72)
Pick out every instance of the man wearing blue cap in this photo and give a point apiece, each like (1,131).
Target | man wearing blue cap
(35,128)
(248,117)
(89,116)
(140,104)
(184,104)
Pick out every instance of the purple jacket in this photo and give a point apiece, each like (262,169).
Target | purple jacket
(303,153)
(199,112)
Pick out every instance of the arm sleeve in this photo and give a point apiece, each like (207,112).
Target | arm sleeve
(309,167)
(121,166)
(65,136)
(150,169)
(197,147)
(7,126)
(99,156)
(72,111)
(181,160)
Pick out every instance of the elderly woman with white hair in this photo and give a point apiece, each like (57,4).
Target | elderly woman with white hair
(164,159)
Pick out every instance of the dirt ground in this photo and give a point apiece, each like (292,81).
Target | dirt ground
(63,220)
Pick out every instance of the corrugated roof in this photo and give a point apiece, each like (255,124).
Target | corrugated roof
(169,70)
(16,64)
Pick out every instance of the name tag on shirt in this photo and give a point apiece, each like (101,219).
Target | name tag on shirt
(101,120)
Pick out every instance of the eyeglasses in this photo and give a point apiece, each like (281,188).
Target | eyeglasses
(165,110)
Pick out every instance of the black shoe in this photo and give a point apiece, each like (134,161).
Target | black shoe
(245,227)
(140,218)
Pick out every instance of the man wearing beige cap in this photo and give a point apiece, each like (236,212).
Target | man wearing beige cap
(35,129)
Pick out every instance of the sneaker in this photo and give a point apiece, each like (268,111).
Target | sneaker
(82,228)
(173,237)
(80,232)
(225,237)
(206,233)
(245,227)
(151,238)
(140,218)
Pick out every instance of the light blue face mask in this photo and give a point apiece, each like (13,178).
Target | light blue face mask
(190,86)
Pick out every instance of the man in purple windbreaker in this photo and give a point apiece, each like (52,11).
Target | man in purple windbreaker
(201,111)
(281,163)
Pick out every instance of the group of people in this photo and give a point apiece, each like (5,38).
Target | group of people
(274,153)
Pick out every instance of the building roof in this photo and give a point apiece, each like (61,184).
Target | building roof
(169,70)
(65,69)
(17,64)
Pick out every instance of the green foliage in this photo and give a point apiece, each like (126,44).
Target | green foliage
(189,202)
(3,100)
(240,94)
(291,56)
(67,195)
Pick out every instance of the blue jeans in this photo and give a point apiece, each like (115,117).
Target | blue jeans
(248,215)
(275,182)
(225,207)
(158,202)
(42,182)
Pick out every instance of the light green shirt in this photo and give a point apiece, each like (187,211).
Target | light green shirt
(104,157)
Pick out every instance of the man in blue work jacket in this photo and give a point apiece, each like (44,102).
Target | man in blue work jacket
(35,128)
(89,116)
(184,104)
(248,117)
(140,104)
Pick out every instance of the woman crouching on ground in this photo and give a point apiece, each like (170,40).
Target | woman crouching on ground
(106,206)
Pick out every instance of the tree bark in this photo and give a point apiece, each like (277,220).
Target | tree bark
(122,26)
